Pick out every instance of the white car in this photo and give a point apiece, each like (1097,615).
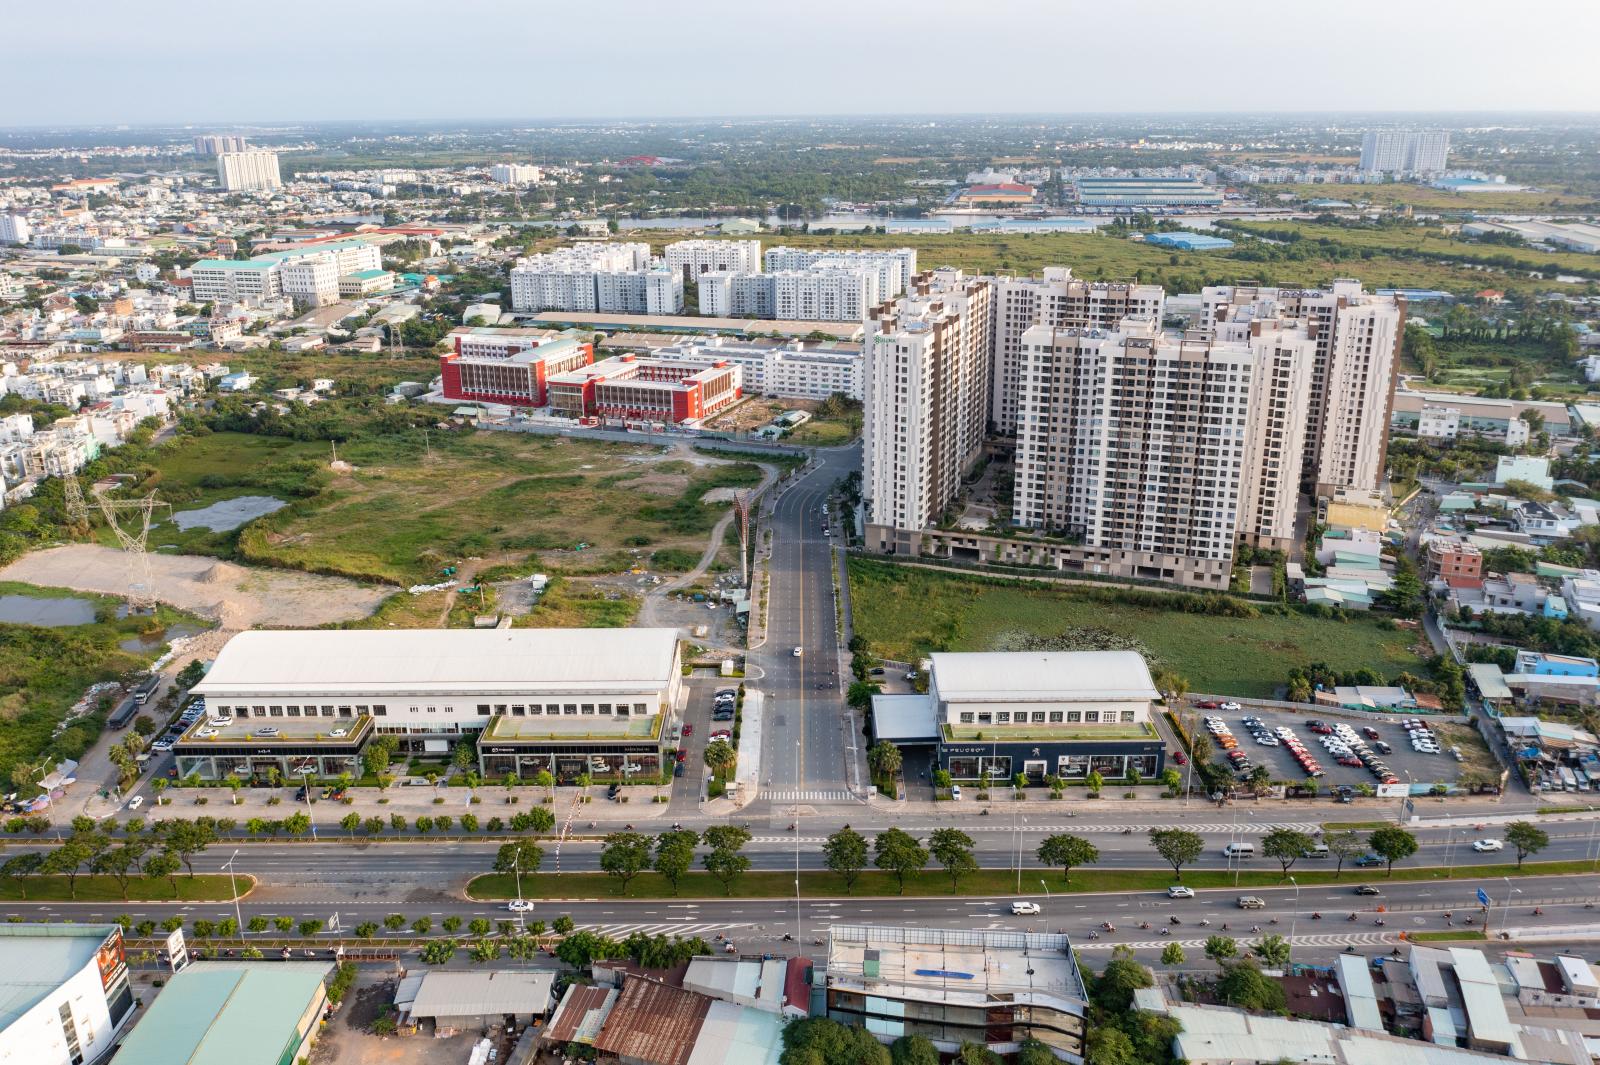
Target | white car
(520,905)
(338,733)
(1267,741)
(797,652)
(1025,909)
(1283,732)
(136,802)
(1178,891)
(1489,845)
(206,733)
(955,792)
(1231,707)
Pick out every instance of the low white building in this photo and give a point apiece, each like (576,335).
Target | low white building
(1439,423)
(64,992)
(788,369)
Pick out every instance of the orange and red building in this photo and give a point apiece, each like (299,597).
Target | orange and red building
(509,366)
(633,389)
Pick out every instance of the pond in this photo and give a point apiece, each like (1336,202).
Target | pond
(228,514)
(153,642)
(48,613)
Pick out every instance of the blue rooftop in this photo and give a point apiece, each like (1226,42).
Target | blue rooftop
(1188,241)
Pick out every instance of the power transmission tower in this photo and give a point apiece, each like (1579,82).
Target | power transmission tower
(741,510)
(77,512)
(141,580)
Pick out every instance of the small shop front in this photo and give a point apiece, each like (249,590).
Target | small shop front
(1072,761)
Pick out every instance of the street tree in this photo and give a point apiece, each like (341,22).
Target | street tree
(1172,954)
(1066,851)
(1177,847)
(1346,845)
(164,865)
(719,757)
(724,861)
(674,855)
(1527,838)
(1273,951)
(68,860)
(19,867)
(625,855)
(1220,948)
(518,857)
(845,854)
(952,848)
(1392,843)
(188,840)
(1287,846)
(883,759)
(896,851)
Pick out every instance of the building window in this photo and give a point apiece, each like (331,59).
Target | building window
(380,710)
(1073,716)
(483,709)
(639,708)
(327,711)
(984,717)
(1091,716)
(605,709)
(535,709)
(433,709)
(569,708)
(516,708)
(1127,715)
(588,709)
(276,711)
(294,711)
(1055,717)
(966,717)
(1038,717)
(1003,717)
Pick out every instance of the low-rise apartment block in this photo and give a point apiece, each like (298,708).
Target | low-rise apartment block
(695,257)
(795,369)
(596,277)
(894,267)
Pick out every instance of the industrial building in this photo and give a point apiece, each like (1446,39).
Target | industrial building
(633,390)
(571,700)
(1186,241)
(953,986)
(510,366)
(452,1002)
(652,1022)
(1569,236)
(64,993)
(1134,193)
(231,1013)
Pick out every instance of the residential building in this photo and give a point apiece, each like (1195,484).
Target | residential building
(1539,664)
(248,171)
(1530,469)
(953,986)
(1439,423)
(248,281)
(1357,338)
(725,294)
(1518,433)
(14,228)
(510,366)
(895,267)
(572,701)
(1162,452)
(635,390)
(595,277)
(793,369)
(232,1013)
(64,994)
(515,174)
(1456,562)
(350,256)
(365,283)
(1398,151)
(927,402)
(310,280)
(827,291)
(219,144)
(695,257)
(1060,300)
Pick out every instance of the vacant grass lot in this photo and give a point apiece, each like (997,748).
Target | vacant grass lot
(904,613)
(1435,242)
(401,515)
(1399,195)
(44,671)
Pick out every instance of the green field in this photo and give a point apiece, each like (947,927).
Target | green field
(1399,194)
(203,887)
(44,671)
(904,613)
(402,513)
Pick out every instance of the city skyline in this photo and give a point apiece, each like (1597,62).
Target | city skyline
(829,54)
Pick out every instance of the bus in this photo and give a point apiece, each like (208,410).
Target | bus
(124,712)
(147,688)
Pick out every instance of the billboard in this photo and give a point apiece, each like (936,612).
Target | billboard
(112,961)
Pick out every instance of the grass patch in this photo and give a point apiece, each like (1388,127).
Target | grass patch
(674,560)
(906,613)
(573,604)
(1444,937)
(204,887)
(45,671)
(767,884)
(823,432)
(401,516)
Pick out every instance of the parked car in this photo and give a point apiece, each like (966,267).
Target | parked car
(688,729)
(955,792)
(1369,732)
(1180,758)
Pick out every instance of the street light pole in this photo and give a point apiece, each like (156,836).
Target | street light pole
(1294,917)
(238,918)
(1017,829)
(1046,890)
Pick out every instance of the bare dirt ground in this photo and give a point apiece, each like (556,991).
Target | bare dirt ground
(755,411)
(236,597)
(345,1041)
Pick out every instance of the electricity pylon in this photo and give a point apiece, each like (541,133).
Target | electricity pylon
(141,579)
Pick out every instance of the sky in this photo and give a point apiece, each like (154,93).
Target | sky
(215,62)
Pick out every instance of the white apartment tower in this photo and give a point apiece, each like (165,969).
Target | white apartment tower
(1357,336)
(895,266)
(515,174)
(1159,452)
(219,143)
(927,401)
(568,279)
(311,280)
(829,291)
(695,257)
(1400,151)
(1062,301)
(14,229)
(248,171)
(724,294)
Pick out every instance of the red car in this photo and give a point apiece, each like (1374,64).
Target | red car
(1321,729)
(1209,704)
(1370,732)
(722,734)
(681,754)
(1180,758)
(688,729)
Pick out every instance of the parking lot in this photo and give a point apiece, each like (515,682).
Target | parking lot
(1346,737)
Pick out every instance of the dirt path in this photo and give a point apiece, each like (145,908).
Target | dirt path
(236,597)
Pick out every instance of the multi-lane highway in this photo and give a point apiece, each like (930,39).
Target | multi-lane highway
(811,751)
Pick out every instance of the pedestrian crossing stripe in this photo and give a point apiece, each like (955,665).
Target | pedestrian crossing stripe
(1109,942)
(811,796)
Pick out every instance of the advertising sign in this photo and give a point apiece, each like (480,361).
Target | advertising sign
(113,961)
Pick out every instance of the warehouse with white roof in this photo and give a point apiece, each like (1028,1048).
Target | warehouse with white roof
(574,701)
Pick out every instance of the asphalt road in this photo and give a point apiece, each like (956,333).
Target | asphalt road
(809,741)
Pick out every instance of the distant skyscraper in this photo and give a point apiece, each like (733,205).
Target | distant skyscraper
(219,143)
(1398,151)
(514,174)
(250,171)
(14,229)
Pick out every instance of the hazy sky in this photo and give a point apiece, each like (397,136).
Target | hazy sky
(215,62)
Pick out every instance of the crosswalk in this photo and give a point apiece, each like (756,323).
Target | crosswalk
(810,796)
(685,929)
(1221,828)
